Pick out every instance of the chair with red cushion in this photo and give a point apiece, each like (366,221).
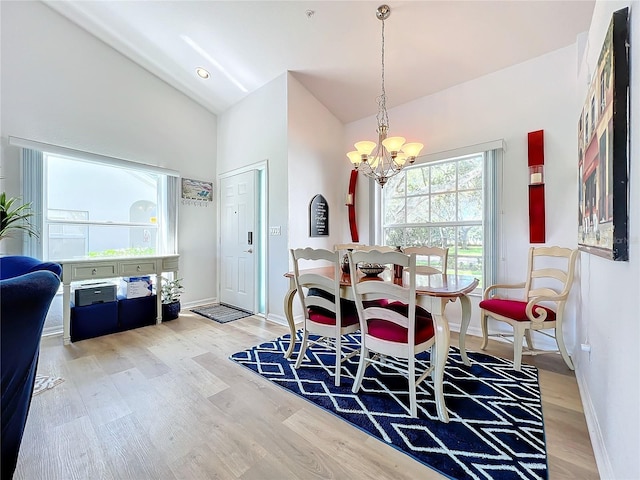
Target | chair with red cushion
(549,280)
(397,332)
(323,315)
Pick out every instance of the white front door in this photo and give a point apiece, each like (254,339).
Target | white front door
(238,240)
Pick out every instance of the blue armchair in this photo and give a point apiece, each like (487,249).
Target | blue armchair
(27,287)
(15,265)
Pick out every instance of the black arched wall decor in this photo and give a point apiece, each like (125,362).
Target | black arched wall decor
(318,217)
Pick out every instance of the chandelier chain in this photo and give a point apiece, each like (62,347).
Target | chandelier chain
(382,117)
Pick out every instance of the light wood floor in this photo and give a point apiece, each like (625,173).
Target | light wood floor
(164,402)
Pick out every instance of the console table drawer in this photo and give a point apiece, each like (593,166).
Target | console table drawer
(95,271)
(170,264)
(137,268)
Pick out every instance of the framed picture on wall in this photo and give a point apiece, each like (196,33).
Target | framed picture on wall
(197,190)
(603,149)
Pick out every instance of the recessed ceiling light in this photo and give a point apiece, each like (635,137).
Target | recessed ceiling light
(212,61)
(202,73)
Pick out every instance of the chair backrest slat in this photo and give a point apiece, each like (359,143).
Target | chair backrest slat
(317,301)
(386,314)
(550,272)
(314,280)
(306,281)
(379,248)
(428,255)
(539,292)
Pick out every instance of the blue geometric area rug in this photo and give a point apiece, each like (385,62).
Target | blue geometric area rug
(495,430)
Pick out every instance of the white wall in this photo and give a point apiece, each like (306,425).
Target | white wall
(504,105)
(301,140)
(609,377)
(252,131)
(60,85)
(316,166)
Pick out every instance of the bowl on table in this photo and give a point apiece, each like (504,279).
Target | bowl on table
(371,269)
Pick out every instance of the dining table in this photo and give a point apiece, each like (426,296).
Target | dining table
(433,291)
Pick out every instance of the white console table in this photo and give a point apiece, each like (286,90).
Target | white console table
(76,270)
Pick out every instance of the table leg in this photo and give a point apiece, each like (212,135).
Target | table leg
(66,313)
(440,350)
(288,312)
(441,353)
(465,303)
(158,299)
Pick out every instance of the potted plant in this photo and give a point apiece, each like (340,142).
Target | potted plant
(171,291)
(14,217)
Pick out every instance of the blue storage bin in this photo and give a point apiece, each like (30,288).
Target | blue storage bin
(136,312)
(93,320)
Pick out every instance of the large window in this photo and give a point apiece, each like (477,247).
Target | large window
(99,210)
(95,206)
(446,203)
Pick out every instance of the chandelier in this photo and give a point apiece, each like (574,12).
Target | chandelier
(385,159)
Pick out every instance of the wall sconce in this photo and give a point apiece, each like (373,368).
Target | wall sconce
(349,201)
(536,174)
(351,205)
(537,232)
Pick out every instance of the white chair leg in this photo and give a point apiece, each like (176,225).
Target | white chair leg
(362,366)
(303,348)
(518,335)
(485,332)
(338,359)
(413,403)
(529,339)
(563,348)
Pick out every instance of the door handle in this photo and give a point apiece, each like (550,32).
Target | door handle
(248,251)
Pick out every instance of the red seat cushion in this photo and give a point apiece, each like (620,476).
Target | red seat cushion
(321,315)
(393,332)
(514,309)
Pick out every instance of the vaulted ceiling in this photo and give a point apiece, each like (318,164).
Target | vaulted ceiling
(332,47)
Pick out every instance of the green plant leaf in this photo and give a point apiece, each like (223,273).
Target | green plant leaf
(15,218)
(171,289)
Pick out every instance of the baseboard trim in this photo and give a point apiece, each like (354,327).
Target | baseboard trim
(593,426)
(198,303)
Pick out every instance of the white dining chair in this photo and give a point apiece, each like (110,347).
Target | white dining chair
(397,332)
(541,305)
(325,313)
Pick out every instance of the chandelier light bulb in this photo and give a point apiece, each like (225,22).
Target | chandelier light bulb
(412,149)
(365,147)
(355,158)
(393,144)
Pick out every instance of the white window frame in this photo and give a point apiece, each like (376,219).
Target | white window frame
(492,187)
(34,191)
